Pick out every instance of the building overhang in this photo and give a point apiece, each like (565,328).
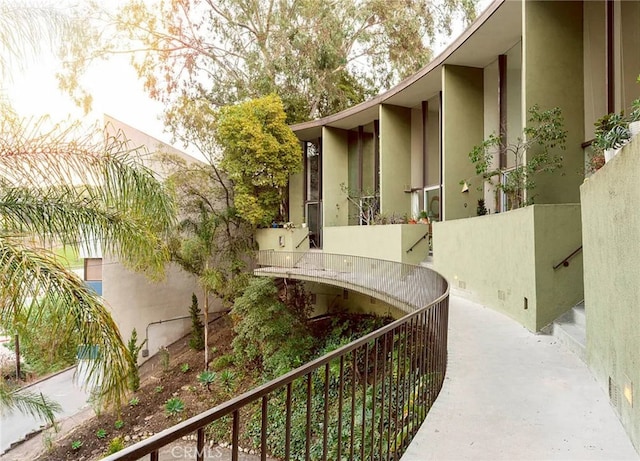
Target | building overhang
(495,31)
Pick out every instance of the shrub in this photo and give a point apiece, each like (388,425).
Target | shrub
(196,341)
(222,362)
(268,331)
(101,433)
(119,424)
(115,445)
(134,349)
(173,406)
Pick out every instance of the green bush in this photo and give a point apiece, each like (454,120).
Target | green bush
(133,348)
(101,433)
(267,331)
(222,362)
(115,445)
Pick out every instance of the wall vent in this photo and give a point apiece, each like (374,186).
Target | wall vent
(614,394)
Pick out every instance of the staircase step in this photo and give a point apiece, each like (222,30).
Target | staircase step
(579,315)
(573,337)
(571,330)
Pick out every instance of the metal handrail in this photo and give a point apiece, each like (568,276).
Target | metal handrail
(565,261)
(399,368)
(418,241)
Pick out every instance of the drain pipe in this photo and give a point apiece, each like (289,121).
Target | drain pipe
(145,352)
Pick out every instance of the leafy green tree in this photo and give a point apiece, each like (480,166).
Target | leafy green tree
(320,57)
(536,151)
(259,153)
(268,331)
(211,241)
(59,185)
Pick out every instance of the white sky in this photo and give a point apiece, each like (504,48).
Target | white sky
(114,85)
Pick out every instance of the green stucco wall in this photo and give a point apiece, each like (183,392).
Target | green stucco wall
(331,299)
(463,109)
(611,235)
(282,239)
(557,235)
(395,159)
(553,78)
(296,198)
(335,172)
(595,62)
(389,242)
(501,259)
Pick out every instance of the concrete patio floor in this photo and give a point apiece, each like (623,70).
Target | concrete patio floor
(510,394)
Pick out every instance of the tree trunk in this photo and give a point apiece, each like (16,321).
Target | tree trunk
(206,329)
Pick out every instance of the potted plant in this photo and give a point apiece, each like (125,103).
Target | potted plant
(611,134)
(423,217)
(634,118)
(617,137)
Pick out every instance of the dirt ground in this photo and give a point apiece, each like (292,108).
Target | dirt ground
(159,382)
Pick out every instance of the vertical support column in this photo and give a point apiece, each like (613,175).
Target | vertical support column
(360,158)
(502,104)
(463,112)
(425,139)
(610,28)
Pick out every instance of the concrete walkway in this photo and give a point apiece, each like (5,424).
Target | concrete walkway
(62,388)
(513,395)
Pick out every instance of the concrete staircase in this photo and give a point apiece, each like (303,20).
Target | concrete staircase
(571,330)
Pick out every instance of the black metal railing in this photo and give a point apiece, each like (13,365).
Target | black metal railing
(418,241)
(364,400)
(565,261)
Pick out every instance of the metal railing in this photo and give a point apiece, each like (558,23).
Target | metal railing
(428,234)
(565,261)
(365,400)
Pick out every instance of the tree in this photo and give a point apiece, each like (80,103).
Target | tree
(535,152)
(320,57)
(259,154)
(58,185)
(211,241)
(196,341)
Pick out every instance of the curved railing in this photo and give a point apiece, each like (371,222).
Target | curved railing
(365,400)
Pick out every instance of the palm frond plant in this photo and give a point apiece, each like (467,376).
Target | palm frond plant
(60,185)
